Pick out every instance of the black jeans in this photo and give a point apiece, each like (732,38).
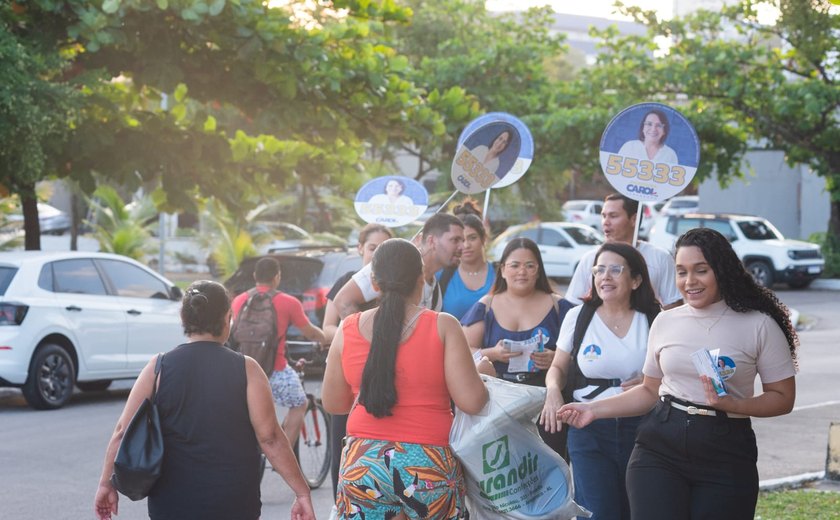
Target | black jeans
(692,467)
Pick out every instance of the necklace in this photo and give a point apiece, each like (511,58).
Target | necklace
(617,322)
(473,273)
(701,323)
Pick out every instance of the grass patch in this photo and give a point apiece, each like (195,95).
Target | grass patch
(797,504)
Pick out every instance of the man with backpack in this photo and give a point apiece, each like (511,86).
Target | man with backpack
(261,317)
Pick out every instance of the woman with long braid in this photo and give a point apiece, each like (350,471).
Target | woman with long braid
(395,369)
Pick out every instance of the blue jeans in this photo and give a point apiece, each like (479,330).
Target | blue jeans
(599,455)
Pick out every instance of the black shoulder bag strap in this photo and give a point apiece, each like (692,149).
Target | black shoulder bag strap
(445,278)
(576,380)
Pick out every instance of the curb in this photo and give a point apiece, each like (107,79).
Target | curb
(790,482)
(826,284)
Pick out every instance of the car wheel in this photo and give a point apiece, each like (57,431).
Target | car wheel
(94,386)
(761,272)
(51,378)
(799,284)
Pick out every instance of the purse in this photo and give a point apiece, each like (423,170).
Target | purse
(140,456)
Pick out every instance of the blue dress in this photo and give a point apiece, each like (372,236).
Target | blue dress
(493,332)
(550,327)
(458,298)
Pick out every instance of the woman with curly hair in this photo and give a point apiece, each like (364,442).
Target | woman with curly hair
(695,453)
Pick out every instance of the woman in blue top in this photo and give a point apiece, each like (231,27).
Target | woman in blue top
(521,306)
(463,285)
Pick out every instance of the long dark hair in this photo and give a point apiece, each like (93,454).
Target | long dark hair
(642,299)
(500,285)
(204,308)
(396,267)
(736,285)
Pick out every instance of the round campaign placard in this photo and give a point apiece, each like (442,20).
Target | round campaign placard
(649,152)
(391,201)
(526,148)
(485,156)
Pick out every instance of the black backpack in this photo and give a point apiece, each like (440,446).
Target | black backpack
(575,379)
(254,331)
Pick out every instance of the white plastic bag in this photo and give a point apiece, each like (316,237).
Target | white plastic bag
(510,471)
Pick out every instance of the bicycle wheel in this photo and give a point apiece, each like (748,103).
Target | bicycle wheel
(313,447)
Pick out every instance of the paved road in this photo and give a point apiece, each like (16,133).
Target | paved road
(51,460)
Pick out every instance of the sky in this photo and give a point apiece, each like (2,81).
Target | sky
(599,8)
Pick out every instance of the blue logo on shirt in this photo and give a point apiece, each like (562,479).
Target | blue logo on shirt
(591,352)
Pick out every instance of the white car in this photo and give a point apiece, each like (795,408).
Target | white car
(680,205)
(561,244)
(83,319)
(586,212)
(767,255)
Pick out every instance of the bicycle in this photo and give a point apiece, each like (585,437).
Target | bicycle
(312,448)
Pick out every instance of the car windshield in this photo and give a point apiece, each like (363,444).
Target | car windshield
(574,206)
(759,230)
(583,236)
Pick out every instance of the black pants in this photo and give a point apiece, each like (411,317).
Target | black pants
(338,429)
(692,467)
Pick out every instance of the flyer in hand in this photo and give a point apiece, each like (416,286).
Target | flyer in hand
(706,364)
(523,362)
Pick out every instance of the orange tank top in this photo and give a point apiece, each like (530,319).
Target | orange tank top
(422,414)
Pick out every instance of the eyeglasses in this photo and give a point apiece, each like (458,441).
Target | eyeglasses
(658,126)
(614,270)
(530,267)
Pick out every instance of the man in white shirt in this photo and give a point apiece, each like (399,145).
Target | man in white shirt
(618,220)
(442,241)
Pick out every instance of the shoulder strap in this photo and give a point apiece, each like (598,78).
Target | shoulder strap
(435,294)
(445,278)
(587,312)
(157,374)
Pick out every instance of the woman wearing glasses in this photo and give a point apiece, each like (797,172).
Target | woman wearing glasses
(607,336)
(650,146)
(520,307)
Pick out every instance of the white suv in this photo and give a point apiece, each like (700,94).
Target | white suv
(768,256)
(84,319)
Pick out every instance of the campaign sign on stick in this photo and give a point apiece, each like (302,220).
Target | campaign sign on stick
(526,148)
(485,156)
(391,201)
(649,152)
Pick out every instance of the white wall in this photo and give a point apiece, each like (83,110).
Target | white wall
(793,199)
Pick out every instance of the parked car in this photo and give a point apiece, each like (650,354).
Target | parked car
(308,274)
(80,318)
(650,211)
(562,244)
(51,220)
(586,212)
(680,205)
(767,255)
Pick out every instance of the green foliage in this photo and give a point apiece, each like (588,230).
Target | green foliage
(121,229)
(229,238)
(745,83)
(830,247)
(797,504)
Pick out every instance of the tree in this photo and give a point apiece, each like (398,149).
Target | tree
(35,104)
(229,97)
(744,83)
(501,62)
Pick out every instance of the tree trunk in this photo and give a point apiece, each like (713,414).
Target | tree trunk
(31,225)
(834,221)
(75,220)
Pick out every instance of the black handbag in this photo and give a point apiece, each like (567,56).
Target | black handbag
(140,457)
